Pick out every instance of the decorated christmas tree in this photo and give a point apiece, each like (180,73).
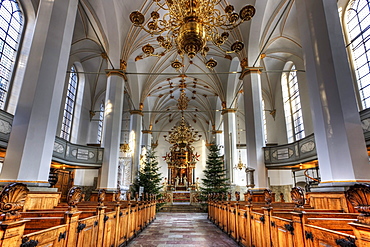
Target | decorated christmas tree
(149,178)
(215,180)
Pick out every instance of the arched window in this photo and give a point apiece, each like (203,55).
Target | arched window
(69,105)
(101,119)
(11,27)
(292,106)
(358,26)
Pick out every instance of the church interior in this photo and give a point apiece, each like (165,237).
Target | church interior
(90,88)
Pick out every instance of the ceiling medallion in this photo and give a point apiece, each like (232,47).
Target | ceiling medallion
(189,24)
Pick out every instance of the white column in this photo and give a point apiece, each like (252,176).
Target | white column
(136,127)
(339,137)
(254,126)
(30,146)
(147,138)
(112,130)
(230,142)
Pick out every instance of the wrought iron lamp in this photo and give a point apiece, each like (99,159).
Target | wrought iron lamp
(189,24)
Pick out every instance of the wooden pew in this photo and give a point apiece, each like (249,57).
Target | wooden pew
(91,224)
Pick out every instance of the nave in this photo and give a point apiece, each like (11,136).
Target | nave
(182,229)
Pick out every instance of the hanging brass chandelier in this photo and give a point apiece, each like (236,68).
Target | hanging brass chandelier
(188,25)
(182,134)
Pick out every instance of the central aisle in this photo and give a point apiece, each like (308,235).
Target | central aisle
(182,229)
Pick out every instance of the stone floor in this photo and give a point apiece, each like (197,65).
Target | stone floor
(182,230)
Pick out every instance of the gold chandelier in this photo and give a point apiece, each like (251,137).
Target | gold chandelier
(182,134)
(189,24)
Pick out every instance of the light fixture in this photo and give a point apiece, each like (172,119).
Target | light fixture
(182,134)
(240,164)
(187,25)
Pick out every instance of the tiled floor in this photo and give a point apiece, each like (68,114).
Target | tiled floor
(182,230)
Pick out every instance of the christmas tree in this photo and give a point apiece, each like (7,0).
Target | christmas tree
(215,180)
(149,178)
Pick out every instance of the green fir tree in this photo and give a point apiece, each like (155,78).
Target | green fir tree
(215,180)
(149,177)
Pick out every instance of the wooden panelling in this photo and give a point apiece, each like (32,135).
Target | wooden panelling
(41,200)
(331,201)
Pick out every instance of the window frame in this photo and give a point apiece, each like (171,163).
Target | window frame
(352,55)
(16,49)
(63,133)
(290,83)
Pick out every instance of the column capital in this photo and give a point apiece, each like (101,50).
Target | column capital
(228,110)
(147,132)
(216,132)
(250,70)
(132,112)
(117,72)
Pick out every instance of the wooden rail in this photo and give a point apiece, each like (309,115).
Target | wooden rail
(95,224)
(254,224)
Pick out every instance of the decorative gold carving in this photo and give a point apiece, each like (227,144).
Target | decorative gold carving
(101,197)
(125,148)
(132,112)
(189,25)
(73,198)
(116,72)
(268,196)
(359,196)
(228,110)
(297,195)
(211,63)
(177,65)
(182,102)
(12,199)
(123,65)
(247,71)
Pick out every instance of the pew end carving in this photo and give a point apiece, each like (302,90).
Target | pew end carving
(74,196)
(298,198)
(12,200)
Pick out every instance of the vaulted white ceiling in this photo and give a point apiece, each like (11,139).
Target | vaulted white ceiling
(104,27)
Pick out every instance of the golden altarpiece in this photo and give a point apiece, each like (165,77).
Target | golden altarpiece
(181,159)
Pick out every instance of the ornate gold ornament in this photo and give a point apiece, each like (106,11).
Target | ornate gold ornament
(125,148)
(297,197)
(182,134)
(182,102)
(12,199)
(188,25)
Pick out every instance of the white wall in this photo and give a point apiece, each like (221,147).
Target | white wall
(85,177)
(280,177)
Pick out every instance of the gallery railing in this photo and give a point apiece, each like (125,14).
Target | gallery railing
(63,151)
(305,149)
(290,154)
